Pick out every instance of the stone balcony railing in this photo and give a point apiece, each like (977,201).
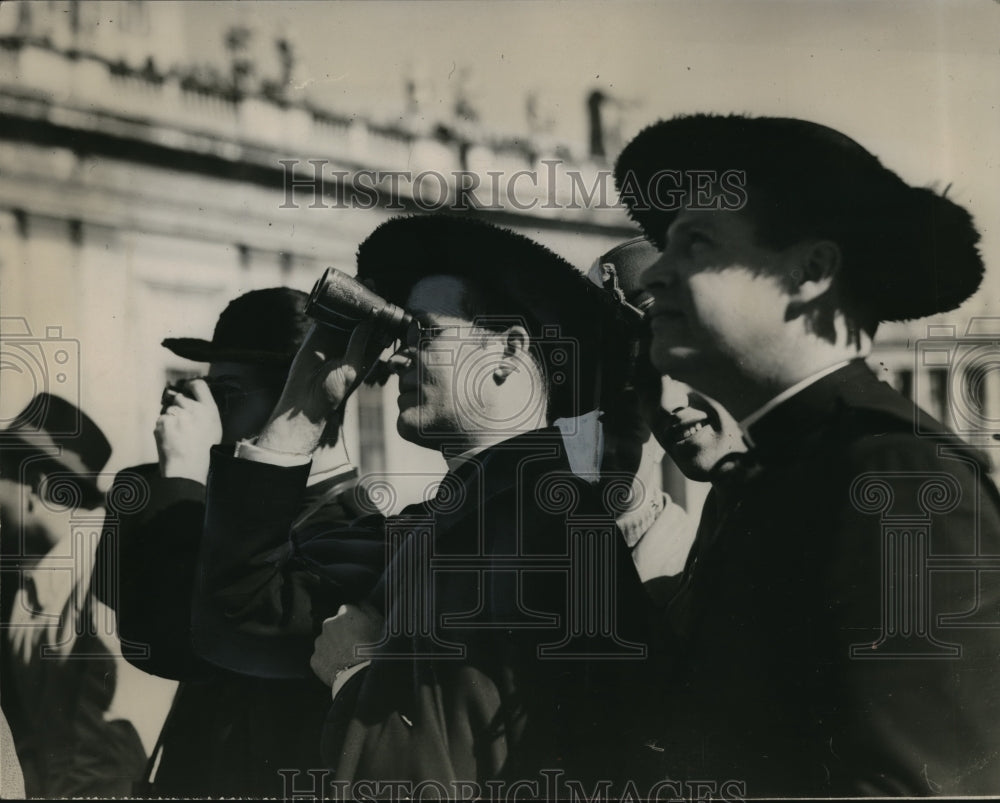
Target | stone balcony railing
(93,94)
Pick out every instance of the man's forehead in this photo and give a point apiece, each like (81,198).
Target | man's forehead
(716,219)
(439,295)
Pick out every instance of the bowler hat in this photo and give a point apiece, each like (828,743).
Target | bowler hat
(545,289)
(907,251)
(264,327)
(61,432)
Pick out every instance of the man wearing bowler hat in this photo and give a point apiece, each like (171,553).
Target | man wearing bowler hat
(476,674)
(226,734)
(820,657)
(63,672)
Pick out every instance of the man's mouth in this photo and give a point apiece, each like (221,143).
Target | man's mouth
(686,430)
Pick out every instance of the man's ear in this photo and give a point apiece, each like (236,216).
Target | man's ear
(816,264)
(515,352)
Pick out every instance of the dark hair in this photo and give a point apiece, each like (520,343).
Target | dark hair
(889,241)
(491,311)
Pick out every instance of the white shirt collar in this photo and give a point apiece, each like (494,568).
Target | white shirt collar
(786,394)
(583,439)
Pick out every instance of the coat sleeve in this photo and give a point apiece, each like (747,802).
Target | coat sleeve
(917,700)
(264,587)
(146,567)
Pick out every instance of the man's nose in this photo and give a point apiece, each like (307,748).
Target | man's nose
(658,275)
(674,395)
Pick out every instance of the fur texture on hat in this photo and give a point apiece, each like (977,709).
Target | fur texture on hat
(545,289)
(907,251)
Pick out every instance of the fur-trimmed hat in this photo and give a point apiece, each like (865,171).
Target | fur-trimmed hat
(262,327)
(907,251)
(556,300)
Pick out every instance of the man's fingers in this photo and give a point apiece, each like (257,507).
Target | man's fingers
(181,401)
(324,343)
(201,392)
(360,344)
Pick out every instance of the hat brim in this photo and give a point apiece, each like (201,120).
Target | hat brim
(537,282)
(913,252)
(43,446)
(198,350)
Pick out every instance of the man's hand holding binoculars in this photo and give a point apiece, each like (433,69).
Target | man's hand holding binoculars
(322,378)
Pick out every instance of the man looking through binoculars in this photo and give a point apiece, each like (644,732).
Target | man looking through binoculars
(507,337)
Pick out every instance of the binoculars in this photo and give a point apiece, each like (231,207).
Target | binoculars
(342,302)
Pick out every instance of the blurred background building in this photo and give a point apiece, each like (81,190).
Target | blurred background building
(143,189)
(145,182)
(159,159)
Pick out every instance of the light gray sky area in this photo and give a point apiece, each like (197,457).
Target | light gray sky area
(916,81)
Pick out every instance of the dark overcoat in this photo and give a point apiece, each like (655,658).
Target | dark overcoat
(228,732)
(515,620)
(839,628)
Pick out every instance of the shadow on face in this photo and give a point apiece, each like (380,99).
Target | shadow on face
(245,394)
(461,383)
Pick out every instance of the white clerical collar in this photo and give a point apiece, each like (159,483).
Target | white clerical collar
(786,394)
(454,461)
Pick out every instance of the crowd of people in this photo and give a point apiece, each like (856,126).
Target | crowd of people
(549,624)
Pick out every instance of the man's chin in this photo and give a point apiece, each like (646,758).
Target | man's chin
(409,428)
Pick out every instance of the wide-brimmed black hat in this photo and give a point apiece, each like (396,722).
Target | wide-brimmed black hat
(264,327)
(546,289)
(907,251)
(62,433)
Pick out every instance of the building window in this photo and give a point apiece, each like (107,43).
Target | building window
(937,382)
(371,429)
(904,382)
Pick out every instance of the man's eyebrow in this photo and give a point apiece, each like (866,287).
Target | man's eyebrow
(682,226)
